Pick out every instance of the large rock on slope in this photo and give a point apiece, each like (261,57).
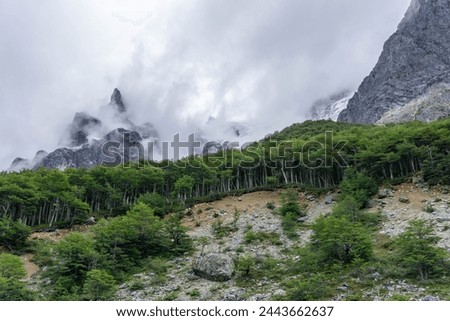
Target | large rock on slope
(214,267)
(414,59)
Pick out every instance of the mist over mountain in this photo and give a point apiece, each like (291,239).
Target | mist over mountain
(414,66)
(82,144)
(332,106)
(202,92)
(260,65)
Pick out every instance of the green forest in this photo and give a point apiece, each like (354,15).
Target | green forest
(131,204)
(309,155)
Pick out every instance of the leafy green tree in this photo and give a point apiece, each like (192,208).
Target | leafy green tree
(13,234)
(124,241)
(348,207)
(183,187)
(181,242)
(290,205)
(99,286)
(11,273)
(272,181)
(160,204)
(152,238)
(359,186)
(156,201)
(417,250)
(11,267)
(73,257)
(116,240)
(14,290)
(290,211)
(337,240)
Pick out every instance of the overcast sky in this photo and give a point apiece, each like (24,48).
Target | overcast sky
(178,62)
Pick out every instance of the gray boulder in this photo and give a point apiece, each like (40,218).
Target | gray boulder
(384,193)
(403,199)
(214,267)
(329,199)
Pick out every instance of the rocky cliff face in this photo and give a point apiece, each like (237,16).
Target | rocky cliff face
(414,60)
(434,104)
(82,126)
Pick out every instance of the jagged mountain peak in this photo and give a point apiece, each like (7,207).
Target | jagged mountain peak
(414,59)
(117,101)
(82,126)
(81,144)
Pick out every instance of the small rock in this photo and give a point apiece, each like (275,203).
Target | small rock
(403,199)
(302,219)
(430,298)
(376,276)
(233,295)
(372,204)
(384,193)
(329,200)
(279,292)
(240,199)
(418,179)
(90,221)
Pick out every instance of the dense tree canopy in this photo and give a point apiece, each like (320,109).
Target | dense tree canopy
(313,154)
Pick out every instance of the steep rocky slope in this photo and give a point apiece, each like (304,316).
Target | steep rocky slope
(274,252)
(415,59)
(181,283)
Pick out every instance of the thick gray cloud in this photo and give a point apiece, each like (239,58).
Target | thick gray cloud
(178,62)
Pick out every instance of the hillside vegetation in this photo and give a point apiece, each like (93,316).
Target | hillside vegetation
(141,212)
(312,154)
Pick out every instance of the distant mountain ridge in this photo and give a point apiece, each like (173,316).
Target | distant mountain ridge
(415,59)
(84,138)
(82,145)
